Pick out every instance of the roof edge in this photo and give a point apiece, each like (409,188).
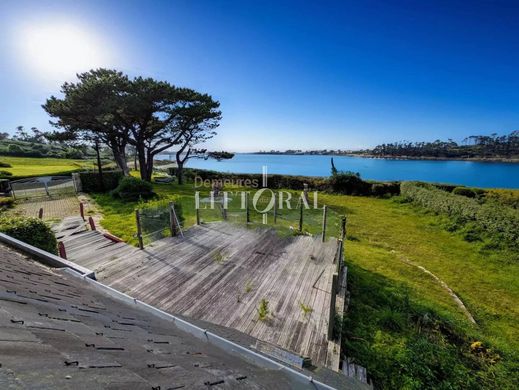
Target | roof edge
(45,257)
(203,334)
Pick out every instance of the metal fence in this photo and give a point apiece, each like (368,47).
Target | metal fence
(56,186)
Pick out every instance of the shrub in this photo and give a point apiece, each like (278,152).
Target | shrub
(15,149)
(349,183)
(385,189)
(131,188)
(91,183)
(33,231)
(499,221)
(505,197)
(5,165)
(464,191)
(4,174)
(6,202)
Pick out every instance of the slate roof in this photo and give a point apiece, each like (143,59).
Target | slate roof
(58,331)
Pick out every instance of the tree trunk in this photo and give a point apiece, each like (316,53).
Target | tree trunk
(99,167)
(120,159)
(180,172)
(141,152)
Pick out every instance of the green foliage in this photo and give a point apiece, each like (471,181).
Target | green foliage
(406,345)
(248,287)
(4,174)
(4,165)
(480,146)
(218,257)
(505,197)
(90,181)
(263,309)
(30,230)
(349,183)
(6,202)
(464,191)
(131,188)
(500,223)
(19,148)
(306,309)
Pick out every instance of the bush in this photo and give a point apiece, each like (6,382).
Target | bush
(5,165)
(505,197)
(6,202)
(90,181)
(15,149)
(385,189)
(464,191)
(349,183)
(32,231)
(4,174)
(498,221)
(131,188)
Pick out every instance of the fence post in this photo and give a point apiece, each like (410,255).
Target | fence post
(247,210)
(139,229)
(40,213)
(92,223)
(343,227)
(275,209)
(61,250)
(325,209)
(224,206)
(197,216)
(172,225)
(301,216)
(331,318)
(82,210)
(46,189)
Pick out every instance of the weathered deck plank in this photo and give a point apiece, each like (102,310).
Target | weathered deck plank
(205,275)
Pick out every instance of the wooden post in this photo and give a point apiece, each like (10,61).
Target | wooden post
(61,250)
(331,318)
(343,227)
(247,210)
(275,209)
(139,229)
(92,223)
(305,192)
(82,210)
(301,216)
(325,209)
(40,213)
(172,223)
(197,216)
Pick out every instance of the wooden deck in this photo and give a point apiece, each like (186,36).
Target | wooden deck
(219,273)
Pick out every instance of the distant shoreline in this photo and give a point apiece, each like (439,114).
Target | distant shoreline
(426,158)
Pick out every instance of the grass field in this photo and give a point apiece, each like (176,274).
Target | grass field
(34,166)
(402,324)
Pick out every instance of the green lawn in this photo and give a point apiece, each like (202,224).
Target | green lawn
(401,324)
(35,166)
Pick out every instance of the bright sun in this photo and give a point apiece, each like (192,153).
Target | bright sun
(61,50)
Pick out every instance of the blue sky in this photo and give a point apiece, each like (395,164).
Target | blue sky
(306,75)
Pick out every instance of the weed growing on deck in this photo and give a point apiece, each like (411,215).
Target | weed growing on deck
(305,309)
(263,309)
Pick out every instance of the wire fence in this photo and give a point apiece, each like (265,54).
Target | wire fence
(52,187)
(157,221)
(287,216)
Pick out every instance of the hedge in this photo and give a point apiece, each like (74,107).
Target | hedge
(275,181)
(32,231)
(498,220)
(90,181)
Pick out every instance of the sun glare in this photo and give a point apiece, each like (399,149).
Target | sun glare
(58,50)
